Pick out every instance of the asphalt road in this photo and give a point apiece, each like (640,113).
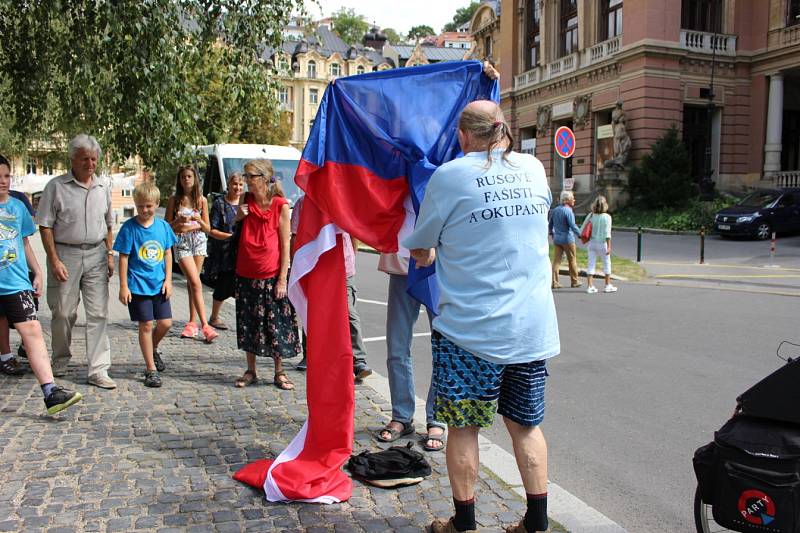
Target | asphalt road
(644,378)
(686,249)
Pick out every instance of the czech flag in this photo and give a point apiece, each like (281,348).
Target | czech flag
(375,142)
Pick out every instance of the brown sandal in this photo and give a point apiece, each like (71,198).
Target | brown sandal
(283,384)
(248,378)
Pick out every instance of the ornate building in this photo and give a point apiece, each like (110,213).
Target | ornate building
(725,72)
(305,68)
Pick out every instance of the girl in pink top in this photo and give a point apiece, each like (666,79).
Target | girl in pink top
(187,214)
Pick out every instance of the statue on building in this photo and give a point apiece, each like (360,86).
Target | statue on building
(622,142)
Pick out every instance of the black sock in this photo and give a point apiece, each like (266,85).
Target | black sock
(536,517)
(465,514)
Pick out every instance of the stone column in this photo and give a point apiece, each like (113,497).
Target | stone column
(772,147)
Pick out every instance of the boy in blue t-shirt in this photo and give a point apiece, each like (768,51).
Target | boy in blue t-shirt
(145,244)
(17,294)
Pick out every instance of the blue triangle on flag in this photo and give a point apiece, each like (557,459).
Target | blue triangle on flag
(767,519)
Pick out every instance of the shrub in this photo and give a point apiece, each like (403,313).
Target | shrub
(663,177)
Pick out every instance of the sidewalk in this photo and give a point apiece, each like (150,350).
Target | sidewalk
(161,459)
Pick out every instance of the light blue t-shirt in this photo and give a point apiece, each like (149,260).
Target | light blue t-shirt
(15,224)
(145,248)
(489,228)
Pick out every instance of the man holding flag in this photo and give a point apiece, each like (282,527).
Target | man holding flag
(484,222)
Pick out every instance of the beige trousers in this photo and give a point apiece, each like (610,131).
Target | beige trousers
(569,250)
(88,276)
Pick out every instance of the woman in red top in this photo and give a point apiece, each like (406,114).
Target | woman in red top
(266,325)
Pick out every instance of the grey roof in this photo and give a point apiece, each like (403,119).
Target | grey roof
(432,53)
(331,40)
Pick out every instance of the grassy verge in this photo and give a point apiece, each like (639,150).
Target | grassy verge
(626,268)
(690,217)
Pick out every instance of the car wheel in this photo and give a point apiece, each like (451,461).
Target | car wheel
(763,231)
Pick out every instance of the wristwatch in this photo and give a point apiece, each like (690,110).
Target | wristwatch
(110,252)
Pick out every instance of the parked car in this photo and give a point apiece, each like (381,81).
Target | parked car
(760,213)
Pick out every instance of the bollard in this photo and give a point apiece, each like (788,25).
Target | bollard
(772,251)
(702,245)
(639,245)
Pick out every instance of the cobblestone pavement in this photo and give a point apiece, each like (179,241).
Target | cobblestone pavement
(161,459)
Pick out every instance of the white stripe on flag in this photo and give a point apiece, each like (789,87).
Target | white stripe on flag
(305,259)
(272,491)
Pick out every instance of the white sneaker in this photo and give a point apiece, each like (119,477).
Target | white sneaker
(101,380)
(591,290)
(610,288)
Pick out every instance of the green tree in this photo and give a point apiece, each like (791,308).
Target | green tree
(350,26)
(392,35)
(663,178)
(462,16)
(147,78)
(420,32)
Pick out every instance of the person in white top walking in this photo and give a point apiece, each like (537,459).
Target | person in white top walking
(600,244)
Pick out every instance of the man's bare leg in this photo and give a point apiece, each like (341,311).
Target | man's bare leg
(530,451)
(462,469)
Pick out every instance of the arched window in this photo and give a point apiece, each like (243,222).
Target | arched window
(336,70)
(312,69)
(534,40)
(360,69)
(610,19)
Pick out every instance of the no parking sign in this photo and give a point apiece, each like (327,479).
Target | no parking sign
(564,142)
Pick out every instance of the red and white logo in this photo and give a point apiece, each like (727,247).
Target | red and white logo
(756,507)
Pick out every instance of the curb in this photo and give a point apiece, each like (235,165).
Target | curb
(563,507)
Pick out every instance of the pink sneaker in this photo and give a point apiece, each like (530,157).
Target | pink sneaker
(190,331)
(210,334)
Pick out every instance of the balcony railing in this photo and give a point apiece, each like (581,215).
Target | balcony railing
(791,35)
(787,178)
(571,63)
(601,51)
(708,43)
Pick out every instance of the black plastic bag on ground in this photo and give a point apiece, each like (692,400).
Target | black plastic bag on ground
(398,466)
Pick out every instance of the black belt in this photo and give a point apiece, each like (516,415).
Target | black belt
(81,246)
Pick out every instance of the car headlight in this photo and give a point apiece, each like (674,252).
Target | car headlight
(747,218)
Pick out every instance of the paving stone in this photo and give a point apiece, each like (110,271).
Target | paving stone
(119,524)
(143,459)
(224,516)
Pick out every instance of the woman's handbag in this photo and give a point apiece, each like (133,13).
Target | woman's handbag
(586,232)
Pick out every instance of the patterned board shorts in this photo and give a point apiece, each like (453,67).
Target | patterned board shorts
(469,389)
(18,307)
(190,244)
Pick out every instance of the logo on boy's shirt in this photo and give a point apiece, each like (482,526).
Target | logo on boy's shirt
(8,255)
(151,252)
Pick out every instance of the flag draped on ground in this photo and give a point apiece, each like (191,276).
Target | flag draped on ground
(375,142)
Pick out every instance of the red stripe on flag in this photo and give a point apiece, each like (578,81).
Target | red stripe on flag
(366,206)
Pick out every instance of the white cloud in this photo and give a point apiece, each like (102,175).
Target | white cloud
(400,15)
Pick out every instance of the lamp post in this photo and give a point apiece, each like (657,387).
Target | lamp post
(706,182)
